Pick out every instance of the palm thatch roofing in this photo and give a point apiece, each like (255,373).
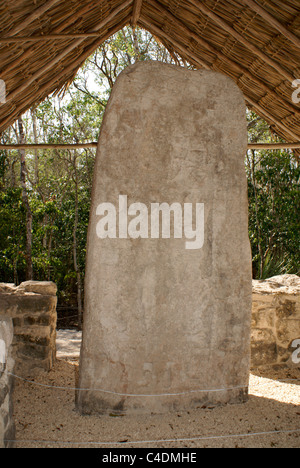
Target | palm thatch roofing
(43,43)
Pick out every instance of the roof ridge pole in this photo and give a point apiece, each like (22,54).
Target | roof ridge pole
(273,21)
(137,8)
(33,16)
(255,50)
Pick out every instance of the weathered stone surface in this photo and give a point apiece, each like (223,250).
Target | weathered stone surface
(32,306)
(275,321)
(282,284)
(47,288)
(161,319)
(7,287)
(7,426)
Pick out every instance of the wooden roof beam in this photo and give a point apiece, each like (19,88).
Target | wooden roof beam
(137,8)
(273,21)
(46,37)
(255,50)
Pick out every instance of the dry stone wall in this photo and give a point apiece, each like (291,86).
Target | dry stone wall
(7,427)
(32,307)
(276,322)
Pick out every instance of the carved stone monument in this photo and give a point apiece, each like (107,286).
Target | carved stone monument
(168,279)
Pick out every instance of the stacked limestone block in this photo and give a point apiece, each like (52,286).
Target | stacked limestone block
(32,306)
(276,321)
(7,427)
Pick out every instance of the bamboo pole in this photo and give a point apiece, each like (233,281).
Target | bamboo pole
(274,146)
(42,146)
(273,21)
(93,145)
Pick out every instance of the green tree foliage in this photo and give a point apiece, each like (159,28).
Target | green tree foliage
(58,183)
(274,221)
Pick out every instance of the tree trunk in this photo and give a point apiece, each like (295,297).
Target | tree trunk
(36,156)
(260,250)
(25,200)
(76,266)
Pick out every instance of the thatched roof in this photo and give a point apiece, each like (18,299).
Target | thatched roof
(255,42)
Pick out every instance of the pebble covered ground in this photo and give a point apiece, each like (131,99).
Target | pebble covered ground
(46,417)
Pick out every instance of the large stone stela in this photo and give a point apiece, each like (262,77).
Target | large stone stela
(168,276)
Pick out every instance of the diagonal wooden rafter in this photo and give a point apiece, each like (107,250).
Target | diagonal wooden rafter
(159,33)
(230,30)
(67,51)
(223,58)
(137,8)
(272,21)
(33,16)
(46,37)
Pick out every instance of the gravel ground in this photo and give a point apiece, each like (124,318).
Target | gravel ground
(46,417)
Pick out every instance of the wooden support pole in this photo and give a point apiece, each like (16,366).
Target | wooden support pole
(52,146)
(232,32)
(273,21)
(137,8)
(274,146)
(93,145)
